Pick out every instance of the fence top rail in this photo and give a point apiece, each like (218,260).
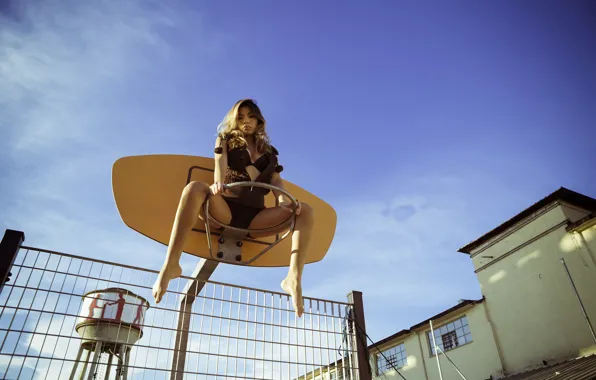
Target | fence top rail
(99,261)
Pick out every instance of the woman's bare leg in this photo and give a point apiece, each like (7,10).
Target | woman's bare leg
(292,284)
(189,208)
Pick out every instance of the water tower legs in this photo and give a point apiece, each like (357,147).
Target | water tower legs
(95,362)
(121,353)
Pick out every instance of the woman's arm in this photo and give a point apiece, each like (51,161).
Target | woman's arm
(277,181)
(221,160)
(221,163)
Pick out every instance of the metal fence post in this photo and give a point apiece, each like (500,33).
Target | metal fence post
(201,275)
(359,328)
(9,247)
(182,331)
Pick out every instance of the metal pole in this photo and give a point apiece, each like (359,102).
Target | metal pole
(180,349)
(9,247)
(76,364)
(126,351)
(95,362)
(581,305)
(453,364)
(359,329)
(201,275)
(82,376)
(110,358)
(432,333)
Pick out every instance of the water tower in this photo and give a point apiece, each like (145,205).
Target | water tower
(110,323)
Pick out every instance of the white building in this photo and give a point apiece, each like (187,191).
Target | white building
(537,274)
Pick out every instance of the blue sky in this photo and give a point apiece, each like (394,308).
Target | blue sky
(424,124)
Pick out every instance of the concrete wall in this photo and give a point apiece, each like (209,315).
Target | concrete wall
(413,370)
(529,298)
(476,360)
(530,314)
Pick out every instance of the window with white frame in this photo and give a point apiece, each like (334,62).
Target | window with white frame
(394,357)
(450,335)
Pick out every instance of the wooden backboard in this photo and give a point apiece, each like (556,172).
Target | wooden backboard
(147,191)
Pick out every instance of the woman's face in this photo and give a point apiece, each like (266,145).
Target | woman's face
(247,121)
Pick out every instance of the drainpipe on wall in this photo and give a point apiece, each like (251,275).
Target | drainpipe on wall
(581,305)
(495,337)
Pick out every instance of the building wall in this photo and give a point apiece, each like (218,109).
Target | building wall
(529,298)
(530,312)
(413,370)
(476,360)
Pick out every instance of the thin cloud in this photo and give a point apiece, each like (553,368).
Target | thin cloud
(58,64)
(399,263)
(58,55)
(73,76)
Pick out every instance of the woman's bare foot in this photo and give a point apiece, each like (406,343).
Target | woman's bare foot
(292,286)
(166,274)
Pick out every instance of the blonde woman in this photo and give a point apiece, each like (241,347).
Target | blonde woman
(242,153)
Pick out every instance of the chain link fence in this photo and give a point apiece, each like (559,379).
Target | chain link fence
(64,316)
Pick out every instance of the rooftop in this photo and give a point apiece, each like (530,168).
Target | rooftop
(582,368)
(562,194)
(460,305)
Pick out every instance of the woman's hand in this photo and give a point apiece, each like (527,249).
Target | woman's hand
(217,188)
(288,204)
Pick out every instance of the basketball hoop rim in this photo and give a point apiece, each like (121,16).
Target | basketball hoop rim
(291,218)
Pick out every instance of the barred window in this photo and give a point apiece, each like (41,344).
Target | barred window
(394,357)
(450,335)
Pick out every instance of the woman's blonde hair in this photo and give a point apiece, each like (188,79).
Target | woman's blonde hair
(229,130)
